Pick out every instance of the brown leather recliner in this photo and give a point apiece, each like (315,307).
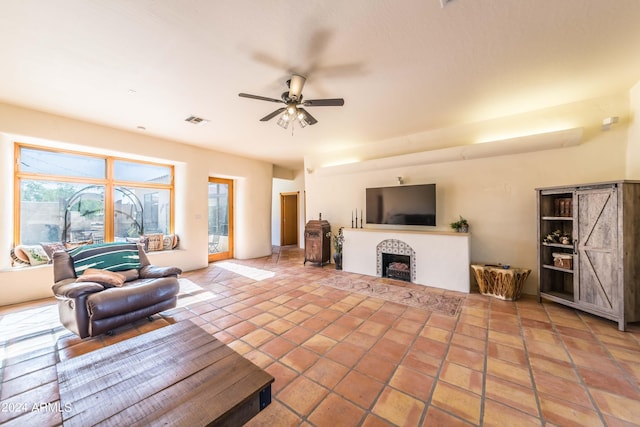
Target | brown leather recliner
(89,308)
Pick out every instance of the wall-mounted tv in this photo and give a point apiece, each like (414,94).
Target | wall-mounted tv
(402,205)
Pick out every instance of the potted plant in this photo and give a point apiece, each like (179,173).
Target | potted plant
(338,241)
(461,225)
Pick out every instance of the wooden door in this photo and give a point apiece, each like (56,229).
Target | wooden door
(597,249)
(289,219)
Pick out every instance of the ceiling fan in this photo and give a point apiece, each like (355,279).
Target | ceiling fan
(294,104)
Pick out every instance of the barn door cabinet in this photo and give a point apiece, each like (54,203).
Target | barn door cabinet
(317,242)
(589,248)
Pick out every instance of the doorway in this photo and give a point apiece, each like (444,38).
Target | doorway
(289,219)
(220,219)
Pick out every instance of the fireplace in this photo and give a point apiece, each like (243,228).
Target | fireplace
(396,260)
(396,266)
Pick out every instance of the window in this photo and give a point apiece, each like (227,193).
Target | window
(74,197)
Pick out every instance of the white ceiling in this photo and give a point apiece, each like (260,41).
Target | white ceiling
(403,67)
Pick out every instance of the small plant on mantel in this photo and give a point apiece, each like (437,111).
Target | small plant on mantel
(461,225)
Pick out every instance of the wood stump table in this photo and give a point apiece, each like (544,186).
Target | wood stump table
(500,282)
(178,375)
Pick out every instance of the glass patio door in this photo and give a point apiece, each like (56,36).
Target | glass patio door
(220,219)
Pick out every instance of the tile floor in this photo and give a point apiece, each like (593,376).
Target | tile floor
(343,359)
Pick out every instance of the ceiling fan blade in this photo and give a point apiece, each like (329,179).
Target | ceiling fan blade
(332,102)
(261,98)
(272,115)
(308,117)
(295,86)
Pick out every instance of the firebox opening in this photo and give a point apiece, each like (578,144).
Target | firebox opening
(396,266)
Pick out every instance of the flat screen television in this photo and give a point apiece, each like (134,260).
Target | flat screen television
(402,205)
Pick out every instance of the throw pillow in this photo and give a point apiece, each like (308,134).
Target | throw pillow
(155,242)
(52,247)
(167,242)
(104,277)
(105,256)
(35,254)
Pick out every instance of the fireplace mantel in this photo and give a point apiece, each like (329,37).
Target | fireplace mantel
(441,257)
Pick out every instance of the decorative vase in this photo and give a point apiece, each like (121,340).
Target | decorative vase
(463,229)
(337,258)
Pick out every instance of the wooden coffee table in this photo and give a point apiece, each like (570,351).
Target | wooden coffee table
(178,375)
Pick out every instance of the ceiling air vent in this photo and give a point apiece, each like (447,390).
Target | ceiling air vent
(196,120)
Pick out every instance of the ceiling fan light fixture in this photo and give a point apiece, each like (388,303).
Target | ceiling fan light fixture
(283,121)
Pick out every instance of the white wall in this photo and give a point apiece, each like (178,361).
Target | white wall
(193,166)
(495,194)
(295,184)
(633,147)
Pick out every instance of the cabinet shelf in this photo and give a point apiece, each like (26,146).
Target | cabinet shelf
(599,276)
(553,267)
(558,296)
(557,218)
(557,245)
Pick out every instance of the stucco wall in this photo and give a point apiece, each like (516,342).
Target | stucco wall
(193,166)
(495,194)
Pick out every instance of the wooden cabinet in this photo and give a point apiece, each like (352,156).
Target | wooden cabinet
(317,241)
(589,248)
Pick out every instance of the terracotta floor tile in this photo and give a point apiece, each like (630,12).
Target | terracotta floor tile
(412,382)
(345,353)
(507,371)
(319,344)
(462,376)
(259,358)
(258,337)
(563,413)
(279,326)
(440,418)
(436,334)
(327,372)
(512,395)
(507,353)
(471,343)
(283,376)
(298,334)
(340,358)
(613,382)
(277,347)
(422,362)
(561,388)
(465,357)
(617,406)
(299,359)
(460,402)
(408,326)
(442,321)
(399,337)
(373,420)
(359,388)
(398,408)
(336,332)
(362,340)
(389,349)
(512,340)
(372,328)
(334,410)
(349,322)
(241,329)
(376,367)
(497,414)
(276,414)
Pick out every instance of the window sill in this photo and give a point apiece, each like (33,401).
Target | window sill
(25,268)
